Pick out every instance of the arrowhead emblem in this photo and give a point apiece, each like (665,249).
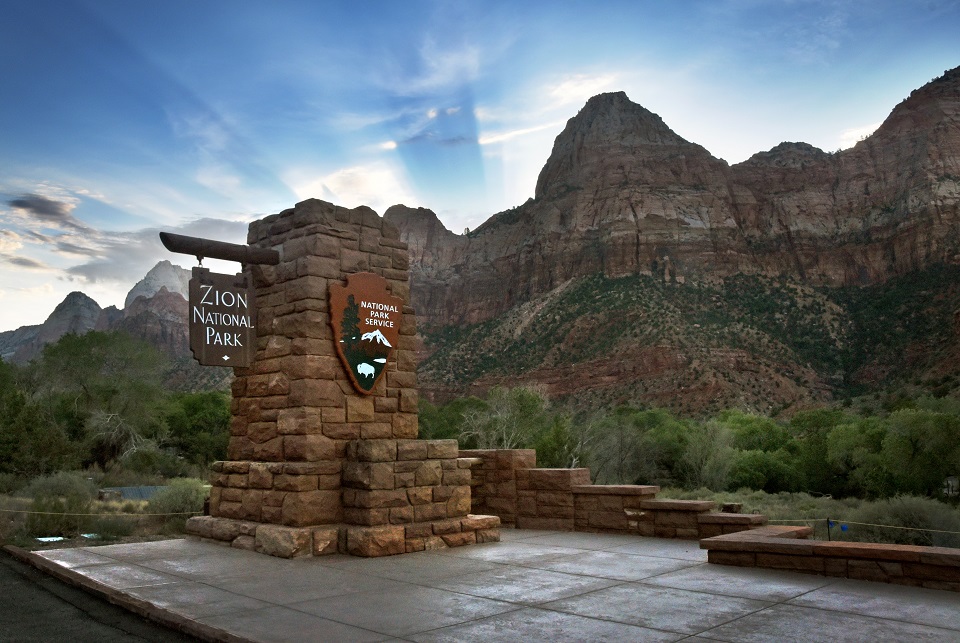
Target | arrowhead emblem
(365,319)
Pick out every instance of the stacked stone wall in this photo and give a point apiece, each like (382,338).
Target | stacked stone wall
(494,480)
(314,465)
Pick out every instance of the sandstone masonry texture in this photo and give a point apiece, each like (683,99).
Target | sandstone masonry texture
(315,467)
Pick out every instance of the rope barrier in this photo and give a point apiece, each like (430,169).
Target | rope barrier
(865,524)
(63,513)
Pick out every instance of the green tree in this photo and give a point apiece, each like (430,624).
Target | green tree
(921,449)
(810,431)
(853,452)
(635,446)
(770,471)
(708,456)
(199,425)
(755,432)
(511,419)
(107,385)
(32,443)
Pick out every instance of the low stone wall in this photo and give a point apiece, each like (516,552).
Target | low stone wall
(504,483)
(493,483)
(788,549)
(545,497)
(380,540)
(610,508)
(386,496)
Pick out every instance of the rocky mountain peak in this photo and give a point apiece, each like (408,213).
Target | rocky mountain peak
(77,313)
(163,275)
(428,240)
(788,155)
(607,130)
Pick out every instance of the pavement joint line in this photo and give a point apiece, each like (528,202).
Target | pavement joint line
(861,614)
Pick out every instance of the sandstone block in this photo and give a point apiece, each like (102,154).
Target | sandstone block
(459,502)
(269,451)
(411,450)
(368,517)
(456,477)
(405,425)
(311,508)
(419,530)
(376,430)
(401,515)
(341,430)
(369,475)
(474,522)
(259,476)
(429,473)
(420,495)
(442,449)
(407,479)
(317,393)
(248,543)
(284,542)
(308,448)
(324,540)
(373,450)
(462,538)
(432,511)
(431,543)
(359,409)
(299,421)
(374,499)
(376,541)
(294,483)
(488,535)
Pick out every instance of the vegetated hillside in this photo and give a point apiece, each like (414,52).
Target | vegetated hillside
(622,194)
(744,341)
(647,270)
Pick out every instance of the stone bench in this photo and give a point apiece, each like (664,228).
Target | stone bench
(788,548)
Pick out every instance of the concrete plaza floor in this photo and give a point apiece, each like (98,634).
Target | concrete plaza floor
(532,586)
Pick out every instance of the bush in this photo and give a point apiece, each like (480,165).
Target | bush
(11,483)
(65,484)
(60,502)
(912,512)
(154,461)
(182,497)
(113,527)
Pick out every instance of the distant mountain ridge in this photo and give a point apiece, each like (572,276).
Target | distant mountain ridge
(647,271)
(622,196)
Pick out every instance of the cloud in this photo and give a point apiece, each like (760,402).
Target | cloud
(24,262)
(126,256)
(852,136)
(48,211)
(579,87)
(9,241)
(442,69)
(499,137)
(377,185)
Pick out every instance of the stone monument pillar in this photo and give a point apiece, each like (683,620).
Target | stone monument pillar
(316,464)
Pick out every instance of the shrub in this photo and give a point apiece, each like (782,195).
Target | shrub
(64,484)
(912,512)
(181,497)
(60,502)
(11,483)
(113,527)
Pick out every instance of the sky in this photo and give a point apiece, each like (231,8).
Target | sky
(122,119)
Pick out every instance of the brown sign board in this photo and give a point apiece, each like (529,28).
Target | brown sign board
(365,319)
(223,317)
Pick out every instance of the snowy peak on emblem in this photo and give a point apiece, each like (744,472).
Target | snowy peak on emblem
(376,336)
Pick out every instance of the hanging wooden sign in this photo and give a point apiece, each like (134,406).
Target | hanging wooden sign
(365,319)
(223,316)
